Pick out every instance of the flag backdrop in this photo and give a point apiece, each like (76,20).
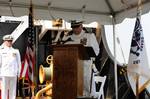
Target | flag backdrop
(138,61)
(28,62)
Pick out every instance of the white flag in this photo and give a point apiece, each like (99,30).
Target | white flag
(138,61)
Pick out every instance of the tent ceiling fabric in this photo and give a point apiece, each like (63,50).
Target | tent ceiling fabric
(87,10)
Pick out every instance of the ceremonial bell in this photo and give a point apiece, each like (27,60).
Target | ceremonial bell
(46,73)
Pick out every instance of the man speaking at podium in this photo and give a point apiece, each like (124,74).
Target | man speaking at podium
(79,36)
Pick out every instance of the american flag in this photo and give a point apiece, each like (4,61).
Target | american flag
(29,58)
(138,70)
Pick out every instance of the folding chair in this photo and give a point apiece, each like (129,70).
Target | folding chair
(99,82)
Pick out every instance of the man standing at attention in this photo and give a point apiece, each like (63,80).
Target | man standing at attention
(10,66)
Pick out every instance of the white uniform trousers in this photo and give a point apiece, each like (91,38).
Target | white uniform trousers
(9,87)
(87,77)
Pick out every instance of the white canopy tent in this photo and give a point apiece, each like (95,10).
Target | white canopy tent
(87,10)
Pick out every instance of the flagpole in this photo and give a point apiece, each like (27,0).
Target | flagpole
(137,85)
(137,75)
(34,85)
(115,61)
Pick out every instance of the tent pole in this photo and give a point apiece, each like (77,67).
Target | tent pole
(137,86)
(115,62)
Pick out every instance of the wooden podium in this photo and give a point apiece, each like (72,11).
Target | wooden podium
(68,71)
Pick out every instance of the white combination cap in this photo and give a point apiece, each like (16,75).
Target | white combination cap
(7,37)
(75,23)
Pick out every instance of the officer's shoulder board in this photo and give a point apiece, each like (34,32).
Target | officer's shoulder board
(16,49)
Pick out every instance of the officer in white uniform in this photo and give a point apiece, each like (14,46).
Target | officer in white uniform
(10,66)
(87,39)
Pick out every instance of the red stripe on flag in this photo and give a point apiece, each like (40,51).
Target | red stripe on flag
(28,65)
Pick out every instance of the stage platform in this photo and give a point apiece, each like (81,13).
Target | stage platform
(51,98)
(33,98)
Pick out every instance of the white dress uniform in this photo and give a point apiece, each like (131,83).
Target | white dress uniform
(92,42)
(10,64)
